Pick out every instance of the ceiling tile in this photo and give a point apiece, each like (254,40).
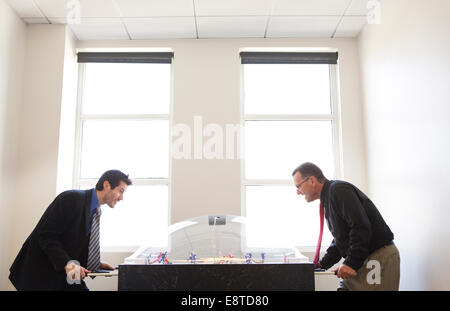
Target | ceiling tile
(25,8)
(231,27)
(35,20)
(161,28)
(310,7)
(88,8)
(63,20)
(100,29)
(302,26)
(154,8)
(232,7)
(350,26)
(359,7)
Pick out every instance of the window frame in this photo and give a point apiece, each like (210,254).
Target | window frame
(334,117)
(78,182)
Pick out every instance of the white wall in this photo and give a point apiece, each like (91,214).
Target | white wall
(12,59)
(66,144)
(405,63)
(39,128)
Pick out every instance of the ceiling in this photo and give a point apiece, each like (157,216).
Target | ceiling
(180,19)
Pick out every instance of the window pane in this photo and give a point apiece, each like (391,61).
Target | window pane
(287,89)
(273,149)
(278,217)
(140,219)
(126,88)
(138,148)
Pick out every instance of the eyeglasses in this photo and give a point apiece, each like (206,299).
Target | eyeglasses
(300,184)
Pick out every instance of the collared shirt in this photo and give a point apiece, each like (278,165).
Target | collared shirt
(94,205)
(355,223)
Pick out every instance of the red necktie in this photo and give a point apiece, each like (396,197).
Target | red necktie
(316,257)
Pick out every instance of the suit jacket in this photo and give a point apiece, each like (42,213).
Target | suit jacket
(59,236)
(356,224)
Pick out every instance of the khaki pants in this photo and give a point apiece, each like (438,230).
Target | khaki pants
(380,272)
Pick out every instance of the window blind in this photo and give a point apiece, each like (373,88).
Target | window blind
(289,57)
(114,57)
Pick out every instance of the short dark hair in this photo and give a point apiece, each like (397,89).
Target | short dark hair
(309,169)
(114,177)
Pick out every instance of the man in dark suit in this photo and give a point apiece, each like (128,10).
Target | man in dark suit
(55,256)
(361,235)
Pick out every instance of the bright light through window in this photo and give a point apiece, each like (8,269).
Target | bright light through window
(278,217)
(126,88)
(129,145)
(145,207)
(287,89)
(273,149)
(140,219)
(289,119)
(123,123)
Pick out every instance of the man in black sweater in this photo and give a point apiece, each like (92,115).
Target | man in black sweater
(55,255)
(361,236)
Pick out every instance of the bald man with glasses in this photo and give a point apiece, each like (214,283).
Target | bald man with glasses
(361,236)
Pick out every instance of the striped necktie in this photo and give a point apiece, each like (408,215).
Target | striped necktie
(94,242)
(319,242)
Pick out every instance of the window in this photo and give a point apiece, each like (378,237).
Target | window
(123,122)
(290,116)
